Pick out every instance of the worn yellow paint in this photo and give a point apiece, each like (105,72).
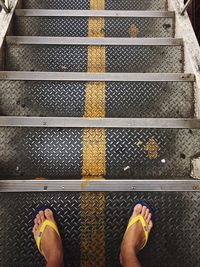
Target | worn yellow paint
(133,31)
(152,149)
(94,147)
(87,179)
(138,142)
(97,4)
(95,100)
(96,59)
(96,27)
(92,229)
(94,152)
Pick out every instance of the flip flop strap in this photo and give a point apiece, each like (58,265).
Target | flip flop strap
(144,225)
(42,228)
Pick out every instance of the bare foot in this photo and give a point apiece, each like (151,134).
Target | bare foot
(134,238)
(51,244)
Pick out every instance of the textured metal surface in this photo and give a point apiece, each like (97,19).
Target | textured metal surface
(130,153)
(85,4)
(41,152)
(123,99)
(75,58)
(174,240)
(78,26)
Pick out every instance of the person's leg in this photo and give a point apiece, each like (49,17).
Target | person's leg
(51,244)
(134,238)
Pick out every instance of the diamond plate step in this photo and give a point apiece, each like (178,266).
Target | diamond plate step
(85,4)
(174,240)
(130,153)
(145,96)
(76,23)
(71,54)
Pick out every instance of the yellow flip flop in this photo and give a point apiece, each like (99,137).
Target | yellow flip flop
(41,232)
(140,219)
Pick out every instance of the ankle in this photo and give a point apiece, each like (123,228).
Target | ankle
(55,263)
(127,252)
(55,257)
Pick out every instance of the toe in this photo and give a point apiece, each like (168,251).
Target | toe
(143,211)
(41,213)
(39,221)
(137,209)
(148,218)
(146,214)
(150,225)
(49,215)
(35,228)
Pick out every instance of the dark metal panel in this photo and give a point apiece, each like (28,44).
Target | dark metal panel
(149,99)
(149,153)
(144,59)
(61,4)
(47,58)
(41,153)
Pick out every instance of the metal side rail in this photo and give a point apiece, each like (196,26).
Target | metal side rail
(175,231)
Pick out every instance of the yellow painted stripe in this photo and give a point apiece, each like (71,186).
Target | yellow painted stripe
(96,27)
(97,4)
(92,230)
(94,148)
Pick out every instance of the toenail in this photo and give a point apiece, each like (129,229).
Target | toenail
(48,210)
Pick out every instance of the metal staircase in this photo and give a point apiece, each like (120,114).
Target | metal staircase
(99,105)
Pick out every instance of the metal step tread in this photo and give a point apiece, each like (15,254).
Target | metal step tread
(85,4)
(93,13)
(44,40)
(139,96)
(137,153)
(175,232)
(79,23)
(120,55)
